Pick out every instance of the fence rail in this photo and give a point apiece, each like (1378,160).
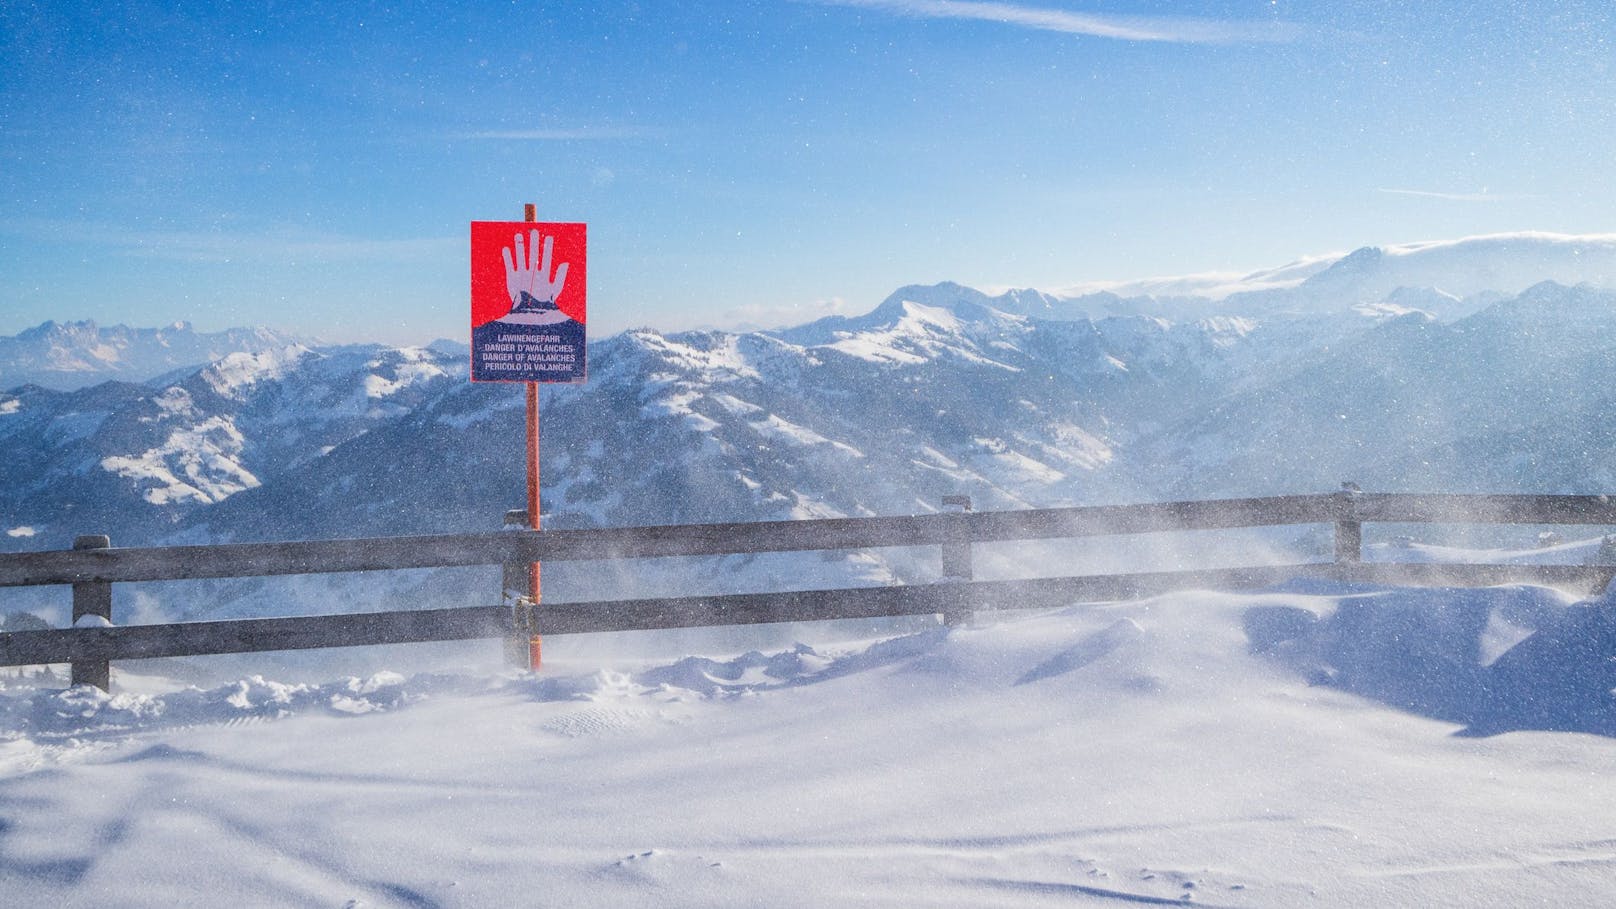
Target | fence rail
(93,566)
(172,563)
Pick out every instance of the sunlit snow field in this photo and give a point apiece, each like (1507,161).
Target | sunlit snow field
(1309,746)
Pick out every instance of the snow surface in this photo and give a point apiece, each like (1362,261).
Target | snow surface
(1098,755)
(231,375)
(197,462)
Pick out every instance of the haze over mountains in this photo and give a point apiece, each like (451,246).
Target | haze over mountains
(75,354)
(1489,374)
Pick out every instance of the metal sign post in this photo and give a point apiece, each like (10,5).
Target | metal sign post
(528,308)
(535,586)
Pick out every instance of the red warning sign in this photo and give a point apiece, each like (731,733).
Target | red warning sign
(529,288)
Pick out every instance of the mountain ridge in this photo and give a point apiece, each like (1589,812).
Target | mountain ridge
(73,354)
(883,413)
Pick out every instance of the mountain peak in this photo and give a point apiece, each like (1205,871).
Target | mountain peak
(50,328)
(1362,257)
(1351,268)
(942,295)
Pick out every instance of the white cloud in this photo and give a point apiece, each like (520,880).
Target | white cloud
(1483,196)
(573,134)
(1173,29)
(279,245)
(753,316)
(197,247)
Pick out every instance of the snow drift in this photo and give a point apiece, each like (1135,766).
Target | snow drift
(1254,750)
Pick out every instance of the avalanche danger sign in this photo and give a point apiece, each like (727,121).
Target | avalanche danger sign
(528,289)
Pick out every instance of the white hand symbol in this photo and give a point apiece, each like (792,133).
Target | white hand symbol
(528,274)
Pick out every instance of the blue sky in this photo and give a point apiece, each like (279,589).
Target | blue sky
(261,163)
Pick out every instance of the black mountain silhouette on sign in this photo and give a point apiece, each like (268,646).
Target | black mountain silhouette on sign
(530,303)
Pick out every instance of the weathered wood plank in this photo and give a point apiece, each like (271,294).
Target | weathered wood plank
(307,632)
(1485,509)
(1583,579)
(1103,520)
(919,599)
(240,560)
(135,642)
(496,548)
(92,599)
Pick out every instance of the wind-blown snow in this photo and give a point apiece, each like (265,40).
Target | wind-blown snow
(777,429)
(1289,748)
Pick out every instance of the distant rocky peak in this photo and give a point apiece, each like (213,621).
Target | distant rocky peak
(1360,259)
(75,354)
(1353,268)
(52,329)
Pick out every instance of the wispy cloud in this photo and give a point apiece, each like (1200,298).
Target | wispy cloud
(1483,196)
(563,134)
(752,316)
(226,245)
(1171,29)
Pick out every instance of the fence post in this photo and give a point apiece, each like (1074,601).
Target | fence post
(957,561)
(92,598)
(516,581)
(1348,529)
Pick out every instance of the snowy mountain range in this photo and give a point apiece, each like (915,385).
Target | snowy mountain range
(1466,273)
(1489,373)
(69,355)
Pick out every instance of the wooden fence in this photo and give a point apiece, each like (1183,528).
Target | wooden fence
(93,566)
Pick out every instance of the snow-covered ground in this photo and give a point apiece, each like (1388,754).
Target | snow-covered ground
(1307,746)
